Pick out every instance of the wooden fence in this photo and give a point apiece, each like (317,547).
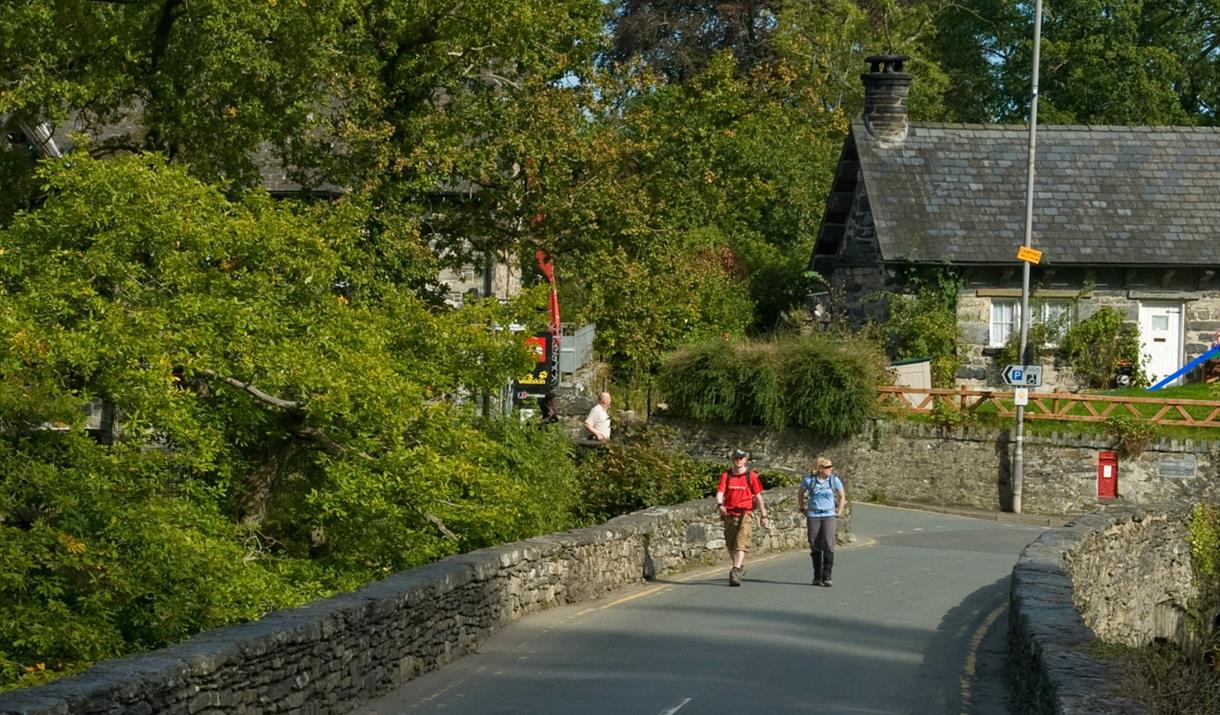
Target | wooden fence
(1062,406)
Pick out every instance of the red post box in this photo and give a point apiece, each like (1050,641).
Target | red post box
(1107,475)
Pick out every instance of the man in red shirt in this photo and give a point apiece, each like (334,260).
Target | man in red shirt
(739,492)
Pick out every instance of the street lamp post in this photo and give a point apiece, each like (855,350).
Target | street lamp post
(1018,460)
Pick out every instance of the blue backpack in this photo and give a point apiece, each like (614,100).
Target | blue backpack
(810,485)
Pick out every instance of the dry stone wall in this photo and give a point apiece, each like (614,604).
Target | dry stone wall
(1119,576)
(327,656)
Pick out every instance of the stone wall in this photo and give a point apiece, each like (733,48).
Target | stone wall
(971,467)
(1132,577)
(329,655)
(1121,576)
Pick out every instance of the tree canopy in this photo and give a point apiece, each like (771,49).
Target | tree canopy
(273,395)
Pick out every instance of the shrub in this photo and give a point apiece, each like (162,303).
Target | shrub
(1131,433)
(640,469)
(1204,539)
(1095,347)
(945,415)
(823,382)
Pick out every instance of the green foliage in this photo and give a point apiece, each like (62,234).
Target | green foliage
(1095,347)
(1131,433)
(821,382)
(925,325)
(216,79)
(638,470)
(1121,62)
(104,552)
(1204,540)
(279,398)
(944,415)
(694,214)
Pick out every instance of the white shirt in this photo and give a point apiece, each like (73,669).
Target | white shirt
(599,420)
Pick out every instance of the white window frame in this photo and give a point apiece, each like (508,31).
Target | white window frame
(1043,311)
(999,327)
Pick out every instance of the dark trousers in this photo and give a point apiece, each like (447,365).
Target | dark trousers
(821,532)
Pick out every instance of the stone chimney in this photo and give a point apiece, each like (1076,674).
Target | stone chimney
(885,97)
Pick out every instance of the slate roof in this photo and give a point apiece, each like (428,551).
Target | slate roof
(1103,194)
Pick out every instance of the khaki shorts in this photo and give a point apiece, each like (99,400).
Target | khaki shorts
(737,531)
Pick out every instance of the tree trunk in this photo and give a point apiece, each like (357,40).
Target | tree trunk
(258,488)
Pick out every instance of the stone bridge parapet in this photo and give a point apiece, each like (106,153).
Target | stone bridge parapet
(329,655)
(1119,576)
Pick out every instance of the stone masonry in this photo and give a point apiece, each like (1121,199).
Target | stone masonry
(327,656)
(970,466)
(1118,576)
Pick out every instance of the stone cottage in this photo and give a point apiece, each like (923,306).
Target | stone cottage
(1127,217)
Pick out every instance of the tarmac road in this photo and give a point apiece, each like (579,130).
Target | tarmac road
(915,623)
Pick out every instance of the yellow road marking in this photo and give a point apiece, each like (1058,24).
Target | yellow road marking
(973,649)
(625,599)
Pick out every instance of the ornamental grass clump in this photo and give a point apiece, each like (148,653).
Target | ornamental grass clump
(826,383)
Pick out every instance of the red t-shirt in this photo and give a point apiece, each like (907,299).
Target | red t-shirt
(739,490)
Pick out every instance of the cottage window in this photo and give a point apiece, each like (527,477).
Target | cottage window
(1003,321)
(1056,315)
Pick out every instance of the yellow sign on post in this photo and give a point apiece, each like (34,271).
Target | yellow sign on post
(1029,255)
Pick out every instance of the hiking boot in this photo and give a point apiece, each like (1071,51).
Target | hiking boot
(734,576)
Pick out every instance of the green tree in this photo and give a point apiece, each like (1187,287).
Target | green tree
(277,399)
(1096,347)
(924,324)
(1124,62)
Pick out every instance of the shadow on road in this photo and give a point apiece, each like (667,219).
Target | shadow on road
(978,628)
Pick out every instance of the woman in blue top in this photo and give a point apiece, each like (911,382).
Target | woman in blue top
(822,498)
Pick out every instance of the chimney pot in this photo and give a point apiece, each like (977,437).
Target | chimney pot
(885,97)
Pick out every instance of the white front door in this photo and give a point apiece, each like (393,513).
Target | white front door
(1161,339)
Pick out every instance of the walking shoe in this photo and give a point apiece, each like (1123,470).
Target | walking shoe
(826,582)
(734,576)
(817,582)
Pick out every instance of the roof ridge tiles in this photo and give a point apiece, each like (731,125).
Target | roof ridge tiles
(1100,128)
